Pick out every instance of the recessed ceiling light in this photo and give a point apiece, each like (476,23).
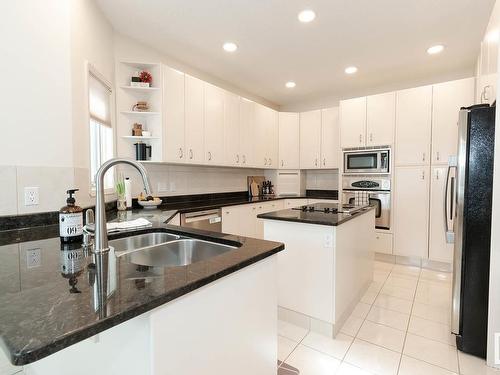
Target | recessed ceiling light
(351,70)
(290,84)
(435,49)
(230,47)
(493,36)
(306,16)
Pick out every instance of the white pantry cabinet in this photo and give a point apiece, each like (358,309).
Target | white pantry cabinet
(310,139)
(289,145)
(214,125)
(330,138)
(174,129)
(447,99)
(232,129)
(413,126)
(411,211)
(195,131)
(247,132)
(439,250)
(353,122)
(380,119)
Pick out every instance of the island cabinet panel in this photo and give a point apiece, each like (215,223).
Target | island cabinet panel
(305,268)
(224,328)
(411,211)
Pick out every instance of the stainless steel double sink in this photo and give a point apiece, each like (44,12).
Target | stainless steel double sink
(160,249)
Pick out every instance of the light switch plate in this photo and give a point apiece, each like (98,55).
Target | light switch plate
(33,258)
(328,241)
(31,196)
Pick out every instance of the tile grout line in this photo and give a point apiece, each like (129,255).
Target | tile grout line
(408,324)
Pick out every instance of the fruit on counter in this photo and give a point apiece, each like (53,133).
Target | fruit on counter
(141,197)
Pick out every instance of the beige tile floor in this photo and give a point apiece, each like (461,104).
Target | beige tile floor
(401,326)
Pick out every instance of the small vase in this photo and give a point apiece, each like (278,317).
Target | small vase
(121,204)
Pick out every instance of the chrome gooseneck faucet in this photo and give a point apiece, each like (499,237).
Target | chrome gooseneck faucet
(101,233)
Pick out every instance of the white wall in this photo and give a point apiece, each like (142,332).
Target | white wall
(44,111)
(36,102)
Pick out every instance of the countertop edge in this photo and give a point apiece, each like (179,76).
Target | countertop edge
(21,359)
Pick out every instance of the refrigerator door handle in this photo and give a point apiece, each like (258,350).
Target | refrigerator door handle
(449,200)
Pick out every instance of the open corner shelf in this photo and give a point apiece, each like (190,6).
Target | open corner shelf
(138,113)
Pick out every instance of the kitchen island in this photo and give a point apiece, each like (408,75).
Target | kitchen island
(328,263)
(64,309)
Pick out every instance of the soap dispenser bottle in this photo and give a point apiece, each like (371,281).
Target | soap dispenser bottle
(71,220)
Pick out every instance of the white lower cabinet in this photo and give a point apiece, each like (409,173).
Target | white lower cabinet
(411,205)
(291,203)
(439,250)
(231,217)
(383,243)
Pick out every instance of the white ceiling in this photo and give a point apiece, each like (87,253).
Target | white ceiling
(385,39)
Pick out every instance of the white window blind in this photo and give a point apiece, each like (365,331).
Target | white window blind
(100,130)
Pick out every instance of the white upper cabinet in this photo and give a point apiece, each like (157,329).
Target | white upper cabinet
(214,125)
(247,132)
(330,138)
(194,120)
(352,122)
(411,203)
(413,126)
(310,139)
(289,135)
(447,99)
(380,119)
(173,98)
(266,137)
(232,129)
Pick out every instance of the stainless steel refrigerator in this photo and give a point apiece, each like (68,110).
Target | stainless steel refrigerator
(468,225)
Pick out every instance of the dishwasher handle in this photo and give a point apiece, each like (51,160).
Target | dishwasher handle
(214,216)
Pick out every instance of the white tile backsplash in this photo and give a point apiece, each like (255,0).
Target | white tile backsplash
(322,179)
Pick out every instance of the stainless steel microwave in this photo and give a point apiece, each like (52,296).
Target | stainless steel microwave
(367,161)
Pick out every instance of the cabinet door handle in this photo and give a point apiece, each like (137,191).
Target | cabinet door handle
(324,162)
(371,137)
(265,161)
(438,157)
(190,153)
(244,159)
(316,162)
(423,175)
(437,174)
(181,154)
(282,164)
(270,161)
(423,156)
(209,155)
(360,138)
(237,158)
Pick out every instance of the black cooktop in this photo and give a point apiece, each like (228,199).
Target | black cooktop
(328,208)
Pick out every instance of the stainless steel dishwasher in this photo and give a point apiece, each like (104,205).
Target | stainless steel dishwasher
(206,220)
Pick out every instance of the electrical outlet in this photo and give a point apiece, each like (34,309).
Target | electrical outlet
(31,196)
(162,187)
(33,258)
(328,241)
(172,186)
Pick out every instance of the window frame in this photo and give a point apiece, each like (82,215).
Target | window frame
(91,70)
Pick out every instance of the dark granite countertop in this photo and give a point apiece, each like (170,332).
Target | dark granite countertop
(48,292)
(318,218)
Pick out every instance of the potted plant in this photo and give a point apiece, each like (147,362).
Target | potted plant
(121,203)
